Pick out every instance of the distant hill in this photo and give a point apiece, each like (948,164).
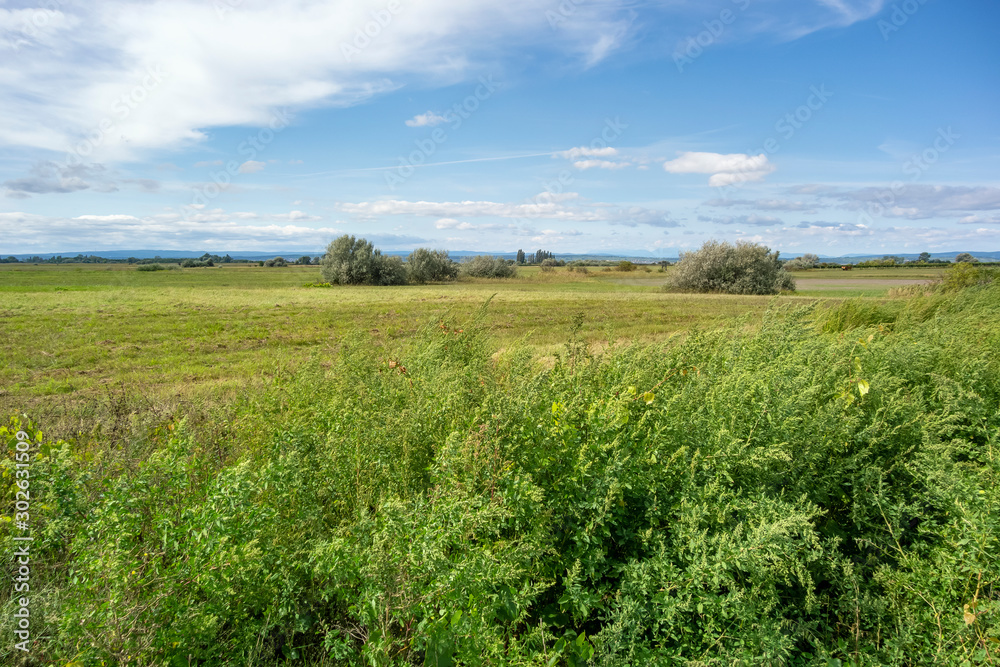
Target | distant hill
(638,256)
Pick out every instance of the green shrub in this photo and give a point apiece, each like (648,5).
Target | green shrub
(806,261)
(488,266)
(350,261)
(962,275)
(150,267)
(276,261)
(744,268)
(626,265)
(425,266)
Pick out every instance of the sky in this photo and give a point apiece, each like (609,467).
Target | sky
(618,126)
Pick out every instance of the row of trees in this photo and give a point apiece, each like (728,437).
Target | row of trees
(537,257)
(811,261)
(353,261)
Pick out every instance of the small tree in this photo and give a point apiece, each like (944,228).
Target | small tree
(277,261)
(424,266)
(488,266)
(964,257)
(806,261)
(744,268)
(351,261)
(304,260)
(520,257)
(924,257)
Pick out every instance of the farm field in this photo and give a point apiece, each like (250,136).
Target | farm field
(73,331)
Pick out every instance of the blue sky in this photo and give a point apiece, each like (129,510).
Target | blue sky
(825,126)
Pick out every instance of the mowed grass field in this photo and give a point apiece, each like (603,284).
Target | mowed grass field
(74,333)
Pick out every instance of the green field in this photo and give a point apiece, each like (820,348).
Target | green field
(70,331)
(227,467)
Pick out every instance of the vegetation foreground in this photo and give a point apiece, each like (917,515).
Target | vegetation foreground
(820,489)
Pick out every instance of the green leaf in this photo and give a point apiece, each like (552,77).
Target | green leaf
(863,387)
(648,397)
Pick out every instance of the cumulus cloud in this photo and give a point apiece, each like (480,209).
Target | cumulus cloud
(726,169)
(426,119)
(252,167)
(164,72)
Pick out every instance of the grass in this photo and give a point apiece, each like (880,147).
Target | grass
(204,334)
(808,485)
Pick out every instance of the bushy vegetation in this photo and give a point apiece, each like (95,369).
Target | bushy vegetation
(743,268)
(351,261)
(786,496)
(150,267)
(426,266)
(276,262)
(806,261)
(488,266)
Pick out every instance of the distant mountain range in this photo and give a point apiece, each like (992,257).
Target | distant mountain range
(634,255)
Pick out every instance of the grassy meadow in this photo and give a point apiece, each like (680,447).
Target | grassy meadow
(229,467)
(73,332)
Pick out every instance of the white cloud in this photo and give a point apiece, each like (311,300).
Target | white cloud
(251,167)
(451,223)
(977,219)
(108,218)
(426,119)
(546,206)
(600,164)
(912,201)
(763,204)
(752,220)
(163,72)
(295,216)
(26,232)
(583,151)
(726,169)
